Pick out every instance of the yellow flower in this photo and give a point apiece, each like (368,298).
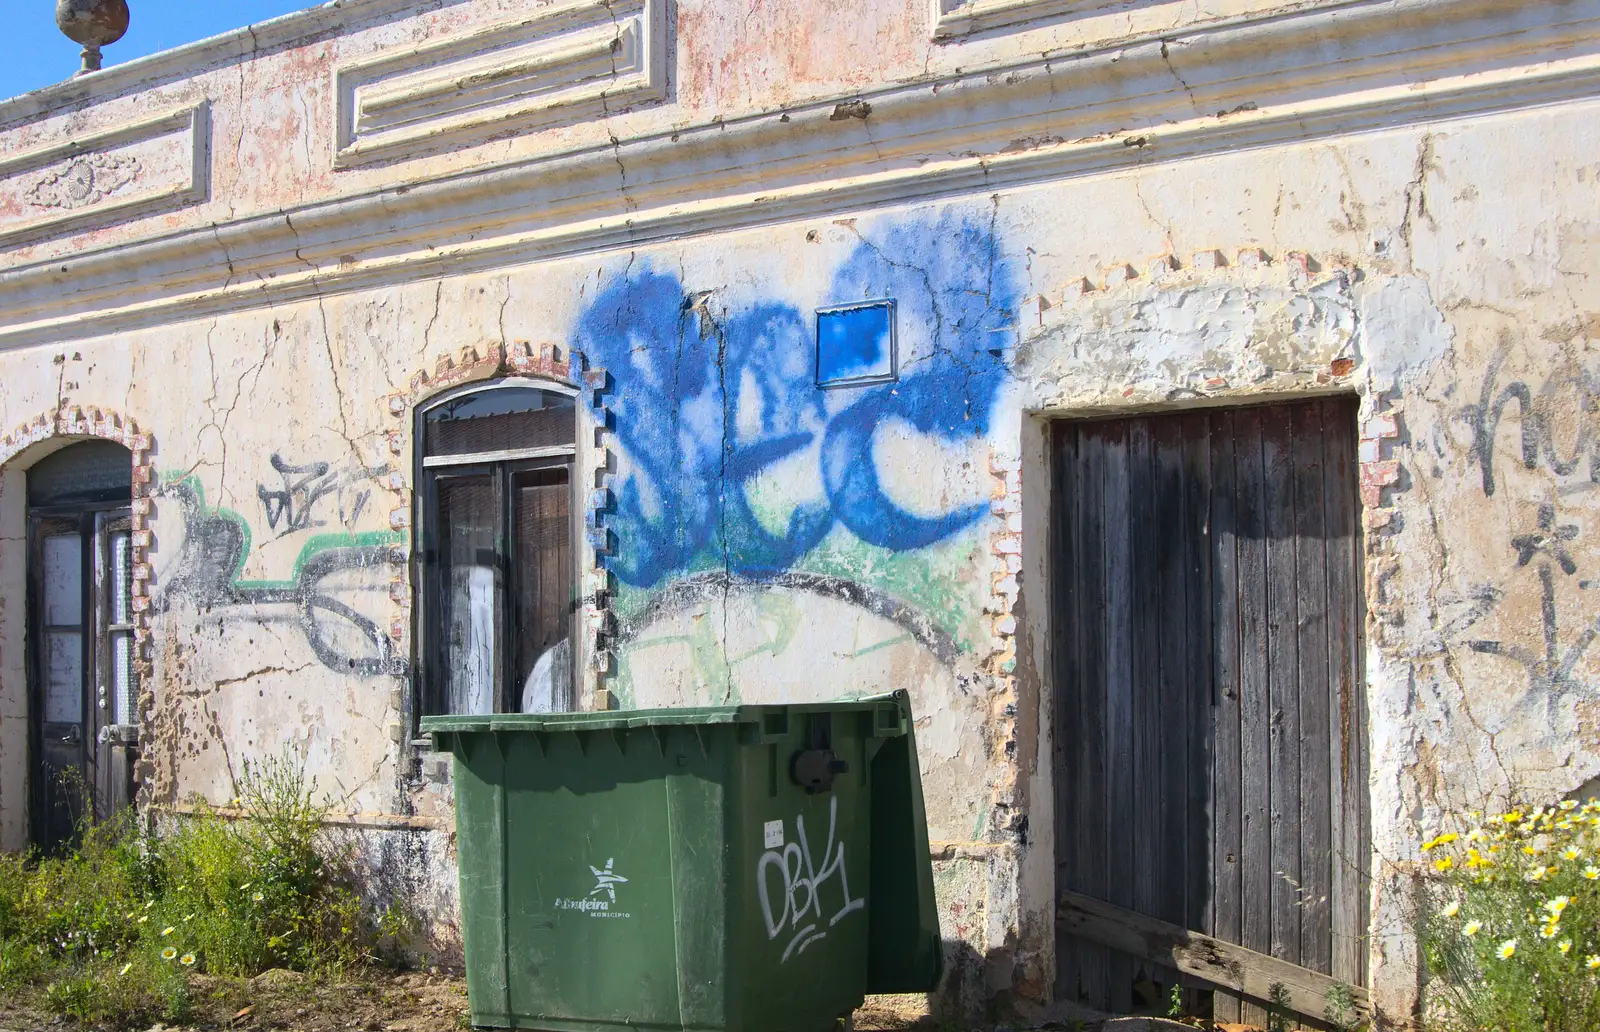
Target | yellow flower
(1452,909)
(144,919)
(125,969)
(1511,818)
(187,960)
(1508,948)
(1594,962)
(1444,863)
(1569,854)
(1567,804)
(1471,928)
(1557,905)
(1565,946)
(258,897)
(168,930)
(169,953)
(1591,872)
(1476,835)
(1550,931)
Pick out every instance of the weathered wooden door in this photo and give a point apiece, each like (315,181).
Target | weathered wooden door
(83,686)
(1210,748)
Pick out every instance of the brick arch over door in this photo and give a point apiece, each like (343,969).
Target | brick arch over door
(72,424)
(18,449)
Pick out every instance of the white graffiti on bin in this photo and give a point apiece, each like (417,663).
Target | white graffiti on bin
(800,907)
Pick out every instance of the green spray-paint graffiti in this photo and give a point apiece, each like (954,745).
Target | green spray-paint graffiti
(331,571)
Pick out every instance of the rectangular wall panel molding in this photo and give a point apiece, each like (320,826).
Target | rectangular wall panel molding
(130,171)
(563,64)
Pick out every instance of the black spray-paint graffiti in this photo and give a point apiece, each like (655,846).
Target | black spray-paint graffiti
(1554,669)
(295,502)
(1572,388)
(687,592)
(332,572)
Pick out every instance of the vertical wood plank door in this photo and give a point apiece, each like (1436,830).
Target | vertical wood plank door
(1210,749)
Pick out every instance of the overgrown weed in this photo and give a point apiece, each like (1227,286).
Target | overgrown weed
(1512,929)
(110,932)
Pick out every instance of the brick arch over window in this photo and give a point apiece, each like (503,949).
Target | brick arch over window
(535,362)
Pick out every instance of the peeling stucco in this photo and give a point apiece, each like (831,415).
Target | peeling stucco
(1093,214)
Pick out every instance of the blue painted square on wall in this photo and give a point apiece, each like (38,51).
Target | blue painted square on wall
(856,344)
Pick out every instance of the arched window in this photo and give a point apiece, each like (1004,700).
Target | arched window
(495,629)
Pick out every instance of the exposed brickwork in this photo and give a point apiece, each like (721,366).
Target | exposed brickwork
(1300,266)
(1005,545)
(1379,473)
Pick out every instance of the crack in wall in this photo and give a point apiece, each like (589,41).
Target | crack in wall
(1166,59)
(1416,196)
(244,678)
(327,343)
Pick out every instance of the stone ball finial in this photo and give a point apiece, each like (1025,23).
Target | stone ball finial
(93,24)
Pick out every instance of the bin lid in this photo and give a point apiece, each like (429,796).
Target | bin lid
(905,952)
(678,716)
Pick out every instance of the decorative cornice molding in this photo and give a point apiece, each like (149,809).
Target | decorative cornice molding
(953,18)
(566,62)
(1047,119)
(94,179)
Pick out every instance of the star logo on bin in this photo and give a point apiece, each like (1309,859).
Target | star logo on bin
(606,881)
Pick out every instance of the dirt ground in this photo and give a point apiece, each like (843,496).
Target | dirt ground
(377,1002)
(426,1002)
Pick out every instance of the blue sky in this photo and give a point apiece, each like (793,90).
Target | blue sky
(36,54)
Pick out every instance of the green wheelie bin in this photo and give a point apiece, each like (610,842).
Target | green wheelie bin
(740,868)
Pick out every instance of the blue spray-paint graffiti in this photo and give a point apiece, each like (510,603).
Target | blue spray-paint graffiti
(706,401)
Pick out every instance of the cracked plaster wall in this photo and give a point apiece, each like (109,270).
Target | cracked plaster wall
(1433,273)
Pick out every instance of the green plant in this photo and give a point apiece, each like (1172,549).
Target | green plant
(1511,927)
(112,931)
(1175,1001)
(1339,1009)
(1280,1015)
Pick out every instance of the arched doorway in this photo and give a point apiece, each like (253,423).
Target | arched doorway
(82,680)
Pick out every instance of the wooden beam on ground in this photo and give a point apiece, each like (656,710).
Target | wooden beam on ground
(1221,963)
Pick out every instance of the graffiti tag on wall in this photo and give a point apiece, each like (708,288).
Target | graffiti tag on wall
(1569,396)
(1553,669)
(294,502)
(708,401)
(332,575)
